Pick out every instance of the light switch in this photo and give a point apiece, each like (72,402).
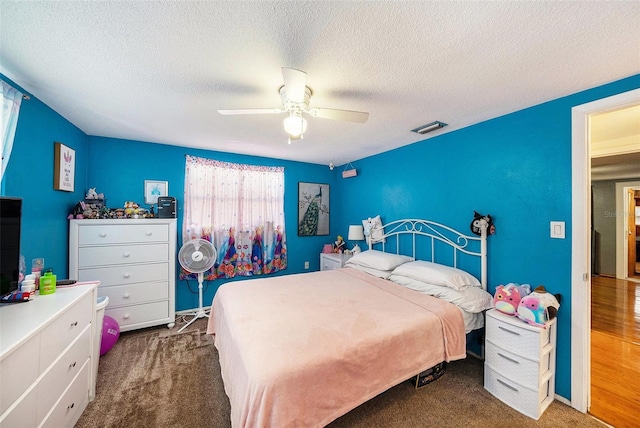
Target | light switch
(557,229)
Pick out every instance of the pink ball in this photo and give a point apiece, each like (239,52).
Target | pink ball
(110,334)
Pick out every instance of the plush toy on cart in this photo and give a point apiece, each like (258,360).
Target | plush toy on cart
(538,307)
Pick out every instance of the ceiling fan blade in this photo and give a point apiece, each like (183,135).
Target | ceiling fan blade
(295,82)
(347,115)
(252,111)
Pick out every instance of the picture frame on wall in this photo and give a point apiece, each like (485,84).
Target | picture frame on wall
(64,167)
(154,189)
(313,209)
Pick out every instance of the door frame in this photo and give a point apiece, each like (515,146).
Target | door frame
(580,242)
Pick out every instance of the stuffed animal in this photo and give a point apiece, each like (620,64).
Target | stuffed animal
(475,224)
(507,298)
(91,193)
(538,307)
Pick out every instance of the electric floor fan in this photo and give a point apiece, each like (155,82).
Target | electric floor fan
(197,256)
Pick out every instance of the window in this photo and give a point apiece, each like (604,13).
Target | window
(240,209)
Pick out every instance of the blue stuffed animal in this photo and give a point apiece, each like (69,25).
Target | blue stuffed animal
(538,307)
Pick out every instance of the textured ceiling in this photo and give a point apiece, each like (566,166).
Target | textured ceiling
(159,71)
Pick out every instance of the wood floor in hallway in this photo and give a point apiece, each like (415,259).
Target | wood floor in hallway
(615,351)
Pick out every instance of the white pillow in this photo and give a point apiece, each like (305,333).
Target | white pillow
(437,274)
(378,260)
(470,299)
(384,274)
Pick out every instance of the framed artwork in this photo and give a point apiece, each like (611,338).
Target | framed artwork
(153,189)
(64,167)
(313,209)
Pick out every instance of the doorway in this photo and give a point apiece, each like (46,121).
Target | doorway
(628,231)
(580,245)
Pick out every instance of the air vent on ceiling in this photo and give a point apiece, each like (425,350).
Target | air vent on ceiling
(429,127)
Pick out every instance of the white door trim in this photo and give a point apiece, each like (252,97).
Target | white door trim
(581,242)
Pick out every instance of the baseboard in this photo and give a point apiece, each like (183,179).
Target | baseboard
(562,400)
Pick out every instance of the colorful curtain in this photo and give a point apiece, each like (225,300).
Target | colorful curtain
(11,100)
(240,209)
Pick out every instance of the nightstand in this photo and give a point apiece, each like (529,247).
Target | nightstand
(520,363)
(331,261)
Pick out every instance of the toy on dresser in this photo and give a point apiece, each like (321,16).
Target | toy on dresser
(507,297)
(534,308)
(538,307)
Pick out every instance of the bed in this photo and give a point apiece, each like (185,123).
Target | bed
(302,350)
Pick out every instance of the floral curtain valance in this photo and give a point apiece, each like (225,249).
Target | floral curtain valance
(240,209)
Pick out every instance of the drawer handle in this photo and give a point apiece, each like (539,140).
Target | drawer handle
(508,331)
(74,324)
(103,235)
(126,275)
(70,406)
(72,365)
(126,295)
(513,360)
(126,316)
(513,388)
(149,233)
(126,254)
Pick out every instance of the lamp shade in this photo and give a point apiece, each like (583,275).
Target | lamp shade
(356,233)
(295,125)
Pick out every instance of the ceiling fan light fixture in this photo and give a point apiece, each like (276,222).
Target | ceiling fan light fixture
(295,125)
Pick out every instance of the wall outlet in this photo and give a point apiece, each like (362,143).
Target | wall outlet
(306,265)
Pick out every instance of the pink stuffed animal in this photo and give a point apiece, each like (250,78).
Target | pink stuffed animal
(507,298)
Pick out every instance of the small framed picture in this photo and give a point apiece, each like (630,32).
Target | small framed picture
(153,189)
(64,167)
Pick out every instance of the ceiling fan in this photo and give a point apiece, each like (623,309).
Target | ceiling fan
(295,97)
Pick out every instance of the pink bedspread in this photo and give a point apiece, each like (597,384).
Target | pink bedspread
(302,350)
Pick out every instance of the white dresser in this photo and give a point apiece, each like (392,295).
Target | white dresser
(45,358)
(134,260)
(331,261)
(520,363)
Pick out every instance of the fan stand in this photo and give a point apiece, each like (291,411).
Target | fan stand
(201,312)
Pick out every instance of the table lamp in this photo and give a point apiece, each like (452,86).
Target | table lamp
(356,233)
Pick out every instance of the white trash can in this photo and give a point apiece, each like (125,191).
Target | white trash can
(102,303)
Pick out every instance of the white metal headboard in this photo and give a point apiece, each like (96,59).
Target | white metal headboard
(436,232)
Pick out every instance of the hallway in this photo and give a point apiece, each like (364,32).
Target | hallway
(615,351)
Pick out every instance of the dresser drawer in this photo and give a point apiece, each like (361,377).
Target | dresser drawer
(22,415)
(138,314)
(122,254)
(60,375)
(18,370)
(521,370)
(107,234)
(68,409)
(524,400)
(56,336)
(120,295)
(516,336)
(126,274)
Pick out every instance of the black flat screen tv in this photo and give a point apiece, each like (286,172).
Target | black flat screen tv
(10,219)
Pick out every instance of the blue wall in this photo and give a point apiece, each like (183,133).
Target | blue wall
(29,175)
(515,167)
(119,168)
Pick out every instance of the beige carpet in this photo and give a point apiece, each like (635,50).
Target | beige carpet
(157,378)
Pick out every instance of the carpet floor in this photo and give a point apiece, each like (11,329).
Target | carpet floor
(158,378)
